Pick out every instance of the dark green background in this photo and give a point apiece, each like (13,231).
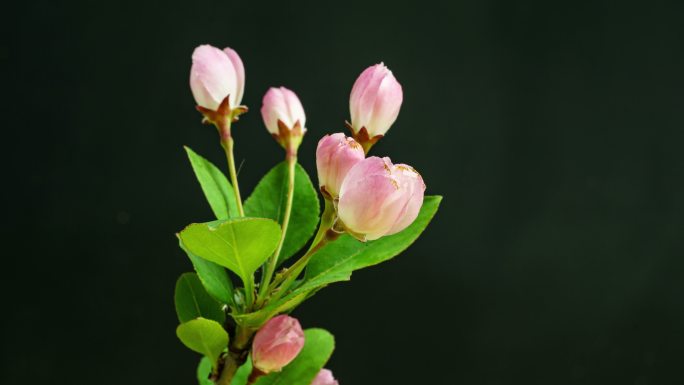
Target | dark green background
(553,129)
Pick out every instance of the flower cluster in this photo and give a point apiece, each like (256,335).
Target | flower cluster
(372,196)
(365,198)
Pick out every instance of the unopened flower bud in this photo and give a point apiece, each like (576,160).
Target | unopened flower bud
(284,116)
(335,156)
(277,343)
(324,377)
(378,198)
(215,75)
(374,104)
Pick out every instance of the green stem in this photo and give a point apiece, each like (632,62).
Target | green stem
(229,370)
(255,376)
(327,219)
(249,293)
(294,271)
(237,355)
(323,236)
(227,144)
(273,261)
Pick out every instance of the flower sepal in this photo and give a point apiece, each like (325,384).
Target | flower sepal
(289,138)
(223,113)
(363,138)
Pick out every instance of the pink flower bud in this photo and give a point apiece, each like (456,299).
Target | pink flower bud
(374,102)
(324,377)
(216,74)
(335,156)
(283,115)
(277,343)
(379,198)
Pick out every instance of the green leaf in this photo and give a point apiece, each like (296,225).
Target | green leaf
(318,346)
(336,261)
(193,301)
(221,197)
(203,336)
(204,371)
(214,277)
(215,185)
(240,244)
(268,200)
(243,372)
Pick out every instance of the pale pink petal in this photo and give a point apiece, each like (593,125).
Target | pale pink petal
(412,183)
(324,377)
(387,105)
(336,154)
(294,108)
(212,77)
(272,109)
(239,74)
(368,96)
(375,100)
(366,192)
(284,105)
(359,88)
(378,198)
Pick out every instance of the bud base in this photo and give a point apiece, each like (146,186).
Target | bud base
(223,112)
(363,138)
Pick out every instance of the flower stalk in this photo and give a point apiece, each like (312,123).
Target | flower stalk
(291,159)
(227,143)
(236,356)
(293,272)
(327,221)
(285,120)
(324,235)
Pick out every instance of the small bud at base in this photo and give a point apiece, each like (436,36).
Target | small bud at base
(324,377)
(277,343)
